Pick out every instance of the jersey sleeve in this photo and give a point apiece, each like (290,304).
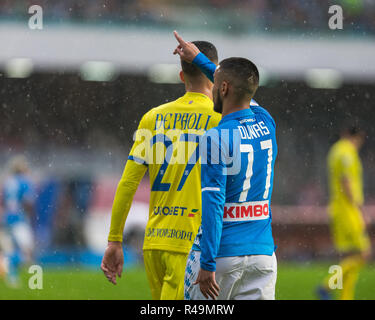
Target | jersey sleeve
(345,162)
(348,169)
(263,113)
(126,188)
(213,199)
(140,149)
(205,65)
(135,169)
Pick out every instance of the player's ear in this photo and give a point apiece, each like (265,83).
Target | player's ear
(224,88)
(182,77)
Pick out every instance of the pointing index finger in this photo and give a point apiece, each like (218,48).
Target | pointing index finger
(178,38)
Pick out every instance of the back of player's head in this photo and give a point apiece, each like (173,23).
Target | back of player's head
(241,74)
(352,130)
(209,50)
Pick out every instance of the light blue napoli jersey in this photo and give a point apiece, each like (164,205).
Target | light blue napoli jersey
(237,185)
(237,171)
(16,191)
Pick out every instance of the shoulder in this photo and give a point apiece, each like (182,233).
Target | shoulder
(222,133)
(163,108)
(342,153)
(10,183)
(341,147)
(24,182)
(231,124)
(17,183)
(149,118)
(261,112)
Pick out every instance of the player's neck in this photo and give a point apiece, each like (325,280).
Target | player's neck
(199,88)
(207,93)
(230,107)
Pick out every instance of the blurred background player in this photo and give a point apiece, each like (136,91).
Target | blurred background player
(3,259)
(18,202)
(348,228)
(175,202)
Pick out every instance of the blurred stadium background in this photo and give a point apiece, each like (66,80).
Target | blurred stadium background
(72,94)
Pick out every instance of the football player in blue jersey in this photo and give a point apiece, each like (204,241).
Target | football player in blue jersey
(233,256)
(18,200)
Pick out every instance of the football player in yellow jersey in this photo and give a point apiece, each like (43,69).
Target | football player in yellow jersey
(345,210)
(167,145)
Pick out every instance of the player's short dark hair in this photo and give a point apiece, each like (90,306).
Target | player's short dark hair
(208,49)
(242,74)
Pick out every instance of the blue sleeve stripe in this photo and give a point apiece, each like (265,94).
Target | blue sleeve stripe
(138,160)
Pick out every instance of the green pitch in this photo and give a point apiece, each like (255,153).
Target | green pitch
(295,281)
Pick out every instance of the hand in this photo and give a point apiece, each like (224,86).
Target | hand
(113,261)
(186,50)
(207,284)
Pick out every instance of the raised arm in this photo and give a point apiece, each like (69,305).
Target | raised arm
(190,53)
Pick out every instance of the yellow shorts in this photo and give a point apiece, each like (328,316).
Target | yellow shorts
(165,273)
